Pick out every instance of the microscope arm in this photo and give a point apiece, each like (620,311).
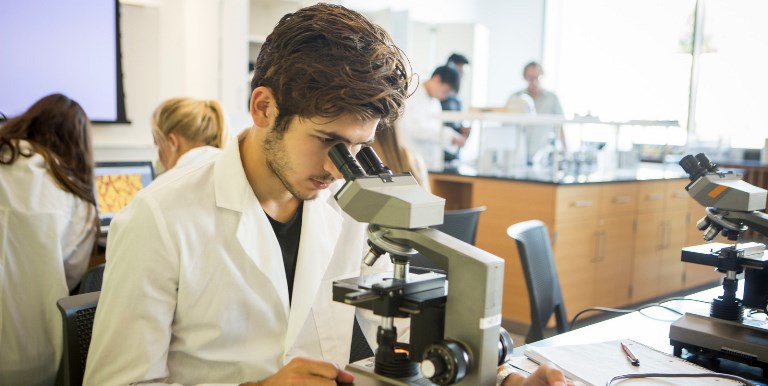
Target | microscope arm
(754,220)
(473,309)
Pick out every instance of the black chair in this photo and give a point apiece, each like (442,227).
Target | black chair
(77,312)
(541,278)
(461,224)
(91,281)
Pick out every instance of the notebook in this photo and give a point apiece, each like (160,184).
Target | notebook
(116,183)
(597,363)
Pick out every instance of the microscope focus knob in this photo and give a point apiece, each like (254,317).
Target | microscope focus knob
(505,346)
(445,363)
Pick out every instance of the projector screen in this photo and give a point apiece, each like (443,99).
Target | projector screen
(70,47)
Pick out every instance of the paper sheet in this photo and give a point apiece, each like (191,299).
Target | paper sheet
(596,363)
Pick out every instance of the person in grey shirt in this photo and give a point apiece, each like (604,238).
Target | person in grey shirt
(545,102)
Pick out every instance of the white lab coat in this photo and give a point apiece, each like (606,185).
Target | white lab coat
(422,131)
(46,238)
(195,289)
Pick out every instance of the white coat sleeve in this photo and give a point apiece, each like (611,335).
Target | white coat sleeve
(134,317)
(77,243)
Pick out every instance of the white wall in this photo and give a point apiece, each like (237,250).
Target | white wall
(175,48)
(515,30)
(514,27)
(199,48)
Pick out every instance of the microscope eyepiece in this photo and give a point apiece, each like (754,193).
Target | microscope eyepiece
(345,162)
(371,162)
(706,163)
(692,167)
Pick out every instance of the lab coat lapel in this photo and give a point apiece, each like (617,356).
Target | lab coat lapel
(320,229)
(254,232)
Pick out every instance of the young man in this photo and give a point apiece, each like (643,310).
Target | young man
(222,274)
(453,103)
(421,128)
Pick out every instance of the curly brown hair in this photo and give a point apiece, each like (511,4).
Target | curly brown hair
(326,61)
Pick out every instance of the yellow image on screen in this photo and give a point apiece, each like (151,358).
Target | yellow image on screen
(115,192)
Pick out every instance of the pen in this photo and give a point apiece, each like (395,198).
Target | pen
(630,355)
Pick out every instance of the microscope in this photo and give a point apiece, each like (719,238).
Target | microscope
(732,207)
(455,335)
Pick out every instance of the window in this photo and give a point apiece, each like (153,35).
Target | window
(634,60)
(732,94)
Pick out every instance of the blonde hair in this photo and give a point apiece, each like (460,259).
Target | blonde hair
(387,146)
(196,120)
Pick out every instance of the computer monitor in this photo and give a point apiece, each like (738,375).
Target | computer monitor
(116,184)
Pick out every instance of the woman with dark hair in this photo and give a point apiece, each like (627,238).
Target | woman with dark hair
(48,227)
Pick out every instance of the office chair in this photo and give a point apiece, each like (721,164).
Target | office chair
(91,281)
(77,312)
(541,277)
(461,224)
(359,348)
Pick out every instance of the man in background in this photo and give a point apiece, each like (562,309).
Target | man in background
(545,102)
(453,103)
(421,127)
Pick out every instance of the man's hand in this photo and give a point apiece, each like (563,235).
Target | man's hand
(545,375)
(458,140)
(303,371)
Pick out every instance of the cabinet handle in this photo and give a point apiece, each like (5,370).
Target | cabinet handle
(581,203)
(601,245)
(654,197)
(598,252)
(681,194)
(622,200)
(666,236)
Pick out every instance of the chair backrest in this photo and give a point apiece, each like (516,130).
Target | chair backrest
(77,312)
(91,281)
(461,224)
(541,278)
(359,349)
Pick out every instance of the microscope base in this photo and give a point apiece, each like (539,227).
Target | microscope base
(745,342)
(364,376)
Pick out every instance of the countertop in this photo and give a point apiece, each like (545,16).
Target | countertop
(645,171)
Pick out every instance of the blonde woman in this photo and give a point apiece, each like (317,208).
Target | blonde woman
(389,147)
(188,131)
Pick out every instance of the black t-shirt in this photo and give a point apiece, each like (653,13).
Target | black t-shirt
(288,235)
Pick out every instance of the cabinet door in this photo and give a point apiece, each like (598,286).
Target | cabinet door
(613,271)
(649,241)
(618,199)
(651,196)
(577,203)
(671,267)
(575,249)
(676,197)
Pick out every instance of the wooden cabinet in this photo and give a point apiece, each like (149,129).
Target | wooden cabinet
(614,243)
(593,242)
(662,220)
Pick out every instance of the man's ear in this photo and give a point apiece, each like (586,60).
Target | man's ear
(263,107)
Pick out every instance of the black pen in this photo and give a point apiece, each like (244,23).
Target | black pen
(630,355)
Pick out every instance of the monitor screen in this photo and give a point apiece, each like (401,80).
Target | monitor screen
(117,183)
(68,47)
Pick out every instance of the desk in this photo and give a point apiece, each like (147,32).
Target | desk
(651,327)
(652,330)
